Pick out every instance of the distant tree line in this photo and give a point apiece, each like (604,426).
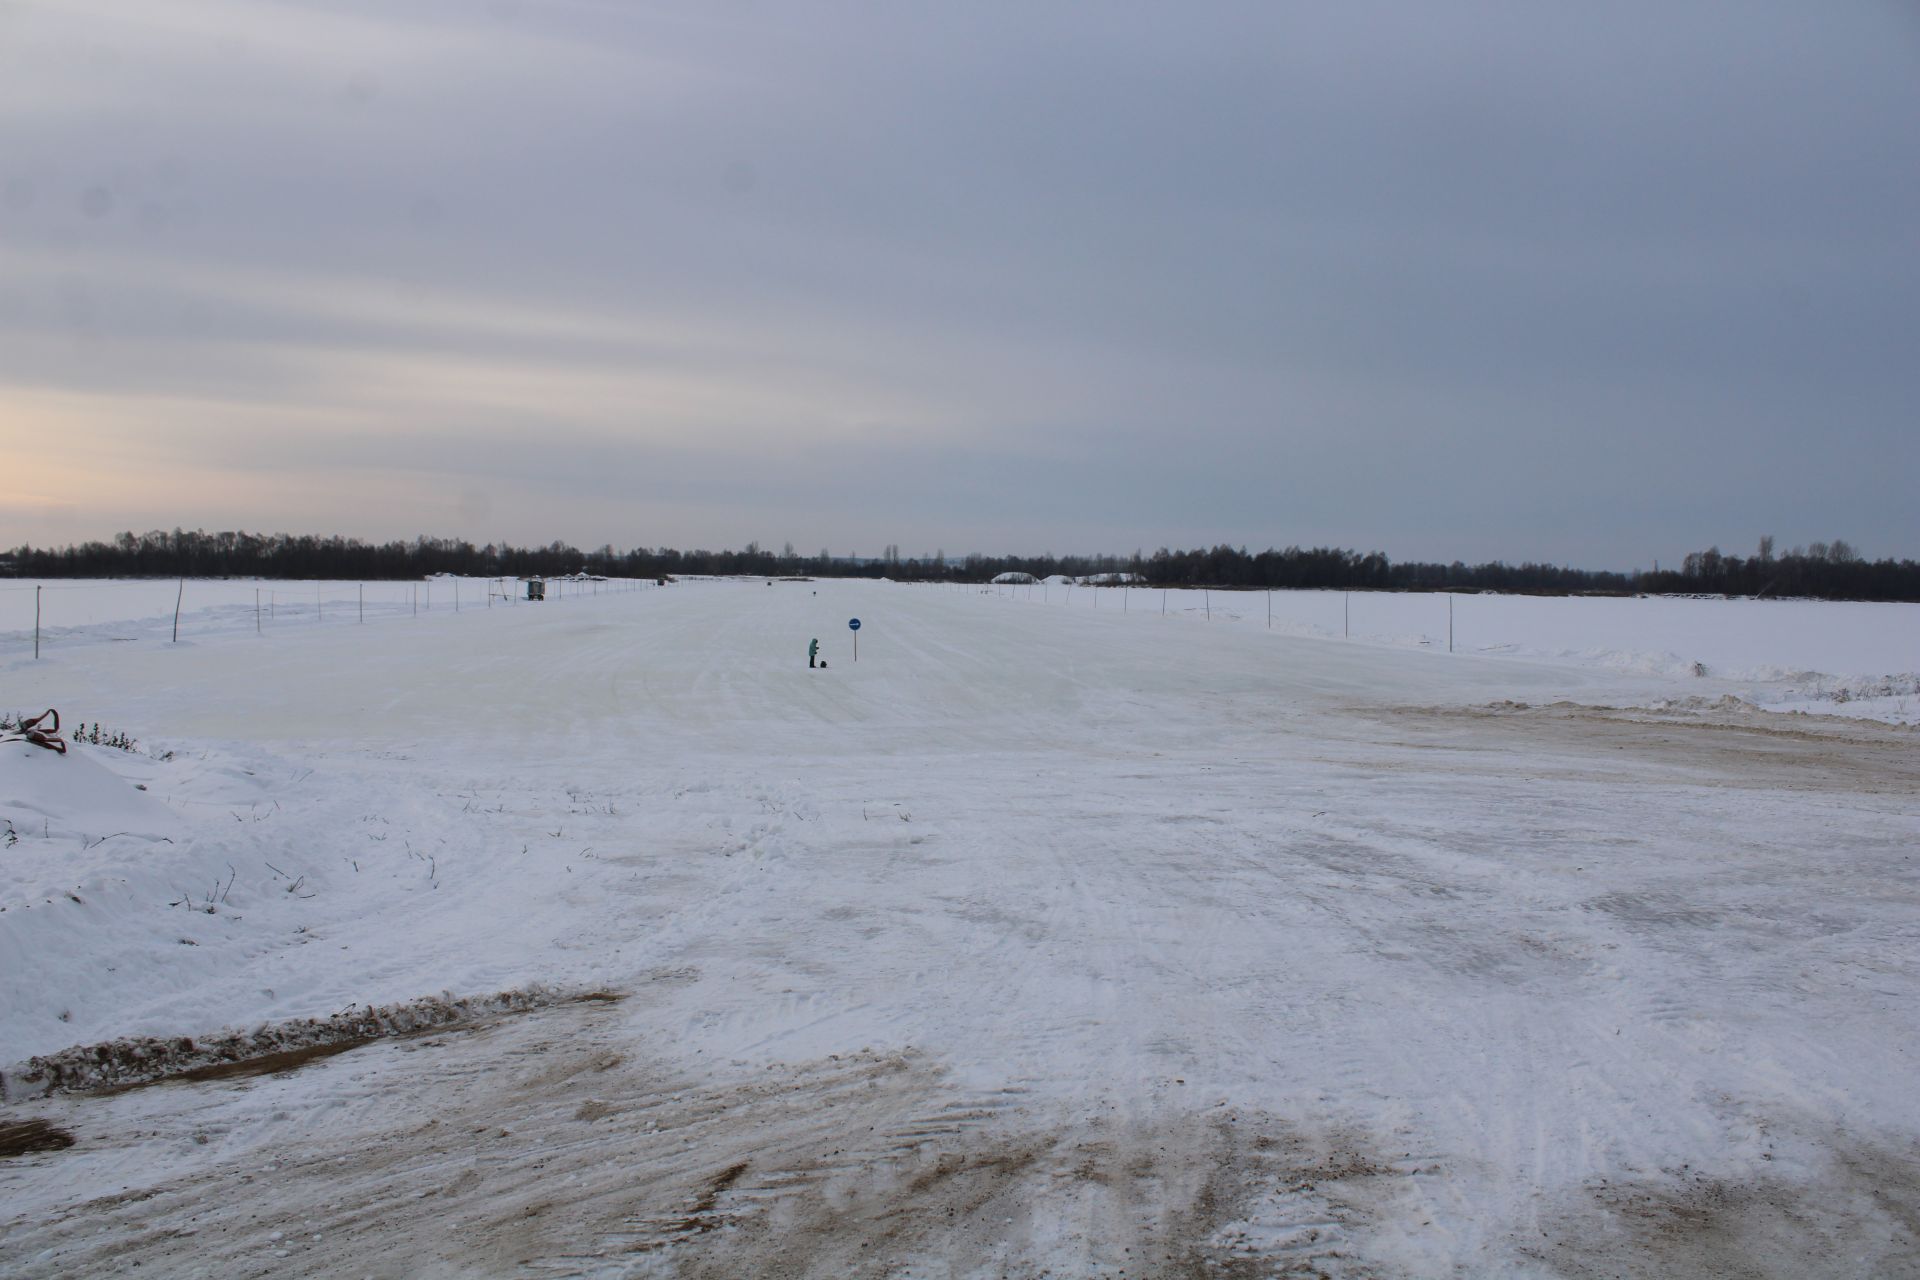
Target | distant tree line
(1826,570)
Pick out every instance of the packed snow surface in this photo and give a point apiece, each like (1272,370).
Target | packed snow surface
(1056,936)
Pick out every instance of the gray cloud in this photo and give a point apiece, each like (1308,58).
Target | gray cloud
(1487,280)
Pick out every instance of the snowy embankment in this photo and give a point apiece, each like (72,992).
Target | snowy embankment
(1061,941)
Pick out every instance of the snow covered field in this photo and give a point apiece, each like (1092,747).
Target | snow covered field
(1843,658)
(1042,941)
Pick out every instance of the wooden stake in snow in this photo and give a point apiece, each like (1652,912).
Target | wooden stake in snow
(1449,623)
(1346,615)
(1269,610)
(36,622)
(363,602)
(176,609)
(1206,598)
(256,611)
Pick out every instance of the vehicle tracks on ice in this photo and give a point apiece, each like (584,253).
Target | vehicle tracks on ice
(544,1147)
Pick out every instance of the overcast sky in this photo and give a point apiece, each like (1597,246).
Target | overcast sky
(1593,284)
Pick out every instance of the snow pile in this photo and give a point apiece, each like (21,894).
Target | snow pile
(1084,580)
(47,794)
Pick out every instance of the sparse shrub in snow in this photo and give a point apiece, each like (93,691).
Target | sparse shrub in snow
(93,736)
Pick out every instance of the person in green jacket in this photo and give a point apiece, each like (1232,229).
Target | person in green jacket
(813,650)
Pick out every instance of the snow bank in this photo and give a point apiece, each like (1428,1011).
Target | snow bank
(51,795)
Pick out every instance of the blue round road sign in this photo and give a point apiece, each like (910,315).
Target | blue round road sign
(853,624)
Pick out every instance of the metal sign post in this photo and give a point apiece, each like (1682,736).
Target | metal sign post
(853,625)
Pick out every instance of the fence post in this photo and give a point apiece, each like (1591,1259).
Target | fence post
(1206,598)
(1163,602)
(1346,616)
(256,611)
(177,596)
(1449,622)
(456,595)
(36,622)
(319,602)
(1269,610)
(363,602)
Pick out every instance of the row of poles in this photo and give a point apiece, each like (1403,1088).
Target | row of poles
(1206,601)
(320,602)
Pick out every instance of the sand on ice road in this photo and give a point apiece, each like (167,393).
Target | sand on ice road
(1038,942)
